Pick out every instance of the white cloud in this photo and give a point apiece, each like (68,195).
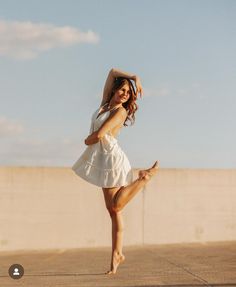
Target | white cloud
(9,128)
(26,40)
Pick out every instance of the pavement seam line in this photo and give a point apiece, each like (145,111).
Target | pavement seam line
(186,270)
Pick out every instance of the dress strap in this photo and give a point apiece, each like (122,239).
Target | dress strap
(104,105)
(114,108)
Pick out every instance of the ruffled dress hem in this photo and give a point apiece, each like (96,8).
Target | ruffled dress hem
(91,174)
(104,164)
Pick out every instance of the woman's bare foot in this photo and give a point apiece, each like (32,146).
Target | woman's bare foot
(148,173)
(116,260)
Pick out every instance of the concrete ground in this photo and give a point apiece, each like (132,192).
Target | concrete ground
(210,264)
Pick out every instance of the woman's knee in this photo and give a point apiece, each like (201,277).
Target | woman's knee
(110,195)
(116,204)
(116,207)
(111,211)
(114,210)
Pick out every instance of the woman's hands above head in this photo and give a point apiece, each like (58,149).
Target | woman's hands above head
(139,88)
(115,73)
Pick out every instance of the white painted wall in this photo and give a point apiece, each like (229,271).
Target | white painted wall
(42,207)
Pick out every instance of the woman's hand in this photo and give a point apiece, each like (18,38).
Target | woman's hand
(92,139)
(86,141)
(139,88)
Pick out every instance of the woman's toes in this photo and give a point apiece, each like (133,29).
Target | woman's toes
(155,165)
(116,261)
(154,168)
(109,272)
(148,173)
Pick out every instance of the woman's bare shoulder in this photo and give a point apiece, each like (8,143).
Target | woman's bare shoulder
(122,111)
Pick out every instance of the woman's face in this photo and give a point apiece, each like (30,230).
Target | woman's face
(122,95)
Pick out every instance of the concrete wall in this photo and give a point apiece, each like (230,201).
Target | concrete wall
(43,207)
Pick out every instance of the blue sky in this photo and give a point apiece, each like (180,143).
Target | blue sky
(54,60)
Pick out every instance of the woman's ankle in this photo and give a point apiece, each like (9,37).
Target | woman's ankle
(117,252)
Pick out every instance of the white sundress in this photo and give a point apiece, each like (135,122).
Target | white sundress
(103,164)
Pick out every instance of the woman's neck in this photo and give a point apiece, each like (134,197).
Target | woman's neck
(112,105)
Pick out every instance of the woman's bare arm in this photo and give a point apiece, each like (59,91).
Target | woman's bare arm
(119,73)
(115,119)
(92,139)
(135,78)
(114,73)
(107,88)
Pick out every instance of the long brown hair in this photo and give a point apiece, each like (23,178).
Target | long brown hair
(130,105)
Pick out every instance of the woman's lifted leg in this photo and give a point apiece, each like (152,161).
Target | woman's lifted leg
(125,194)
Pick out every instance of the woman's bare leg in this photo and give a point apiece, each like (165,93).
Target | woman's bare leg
(117,241)
(117,230)
(118,200)
(125,194)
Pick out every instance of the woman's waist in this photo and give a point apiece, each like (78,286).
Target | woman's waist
(112,133)
(107,144)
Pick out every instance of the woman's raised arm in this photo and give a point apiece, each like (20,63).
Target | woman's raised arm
(107,88)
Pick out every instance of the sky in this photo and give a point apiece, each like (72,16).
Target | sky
(55,57)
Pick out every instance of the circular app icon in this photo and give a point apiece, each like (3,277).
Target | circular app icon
(16,271)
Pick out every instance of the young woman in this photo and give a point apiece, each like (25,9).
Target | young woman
(104,164)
